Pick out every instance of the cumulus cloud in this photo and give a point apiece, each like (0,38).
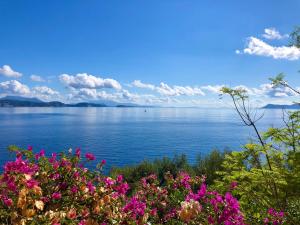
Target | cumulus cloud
(91,94)
(44,90)
(263,90)
(7,71)
(256,46)
(83,80)
(36,78)
(273,92)
(213,88)
(165,89)
(14,87)
(139,84)
(46,93)
(271,33)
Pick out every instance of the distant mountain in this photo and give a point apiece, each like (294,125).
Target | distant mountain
(275,106)
(116,104)
(87,104)
(17,101)
(105,102)
(20,98)
(128,105)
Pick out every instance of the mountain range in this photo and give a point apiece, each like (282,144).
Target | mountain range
(18,101)
(275,106)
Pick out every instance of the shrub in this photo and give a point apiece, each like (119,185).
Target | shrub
(35,189)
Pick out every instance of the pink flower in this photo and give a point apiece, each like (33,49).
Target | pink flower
(90,156)
(74,189)
(31,183)
(233,185)
(103,162)
(119,178)
(77,152)
(45,199)
(153,212)
(202,191)
(135,207)
(82,222)
(29,148)
(91,187)
(122,188)
(8,202)
(108,181)
(53,158)
(210,219)
(56,195)
(76,175)
(40,154)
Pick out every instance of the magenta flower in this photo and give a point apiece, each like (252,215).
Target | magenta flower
(91,187)
(108,181)
(90,156)
(40,154)
(8,202)
(82,222)
(135,207)
(77,152)
(31,183)
(103,162)
(56,195)
(29,148)
(74,189)
(76,175)
(233,185)
(119,178)
(202,191)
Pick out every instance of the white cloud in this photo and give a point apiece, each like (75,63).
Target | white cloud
(271,33)
(213,88)
(256,46)
(83,80)
(44,90)
(7,71)
(14,87)
(165,89)
(263,90)
(91,94)
(273,92)
(139,84)
(47,94)
(36,78)
(179,90)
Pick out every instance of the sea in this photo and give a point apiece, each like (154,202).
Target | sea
(126,136)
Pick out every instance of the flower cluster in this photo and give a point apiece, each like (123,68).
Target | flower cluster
(274,217)
(36,189)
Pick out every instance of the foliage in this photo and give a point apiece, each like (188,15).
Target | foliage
(35,189)
(295,37)
(206,165)
(267,172)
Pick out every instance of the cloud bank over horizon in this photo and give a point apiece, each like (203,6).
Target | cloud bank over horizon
(86,87)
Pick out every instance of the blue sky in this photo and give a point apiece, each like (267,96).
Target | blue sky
(149,52)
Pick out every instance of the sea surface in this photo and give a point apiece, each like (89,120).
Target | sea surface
(125,136)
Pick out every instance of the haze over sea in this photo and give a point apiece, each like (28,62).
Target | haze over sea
(124,136)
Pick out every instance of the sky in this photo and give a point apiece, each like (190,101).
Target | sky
(168,53)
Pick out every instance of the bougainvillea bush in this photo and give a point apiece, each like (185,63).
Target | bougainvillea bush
(35,189)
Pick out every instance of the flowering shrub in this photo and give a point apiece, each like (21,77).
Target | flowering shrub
(35,189)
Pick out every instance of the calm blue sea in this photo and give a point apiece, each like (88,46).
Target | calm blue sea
(127,135)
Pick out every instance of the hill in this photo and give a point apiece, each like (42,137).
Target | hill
(275,106)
